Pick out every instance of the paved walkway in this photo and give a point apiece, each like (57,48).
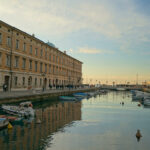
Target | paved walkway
(30,93)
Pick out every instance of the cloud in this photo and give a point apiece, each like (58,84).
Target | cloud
(145,53)
(86,50)
(118,21)
(41,17)
(126,47)
(89,51)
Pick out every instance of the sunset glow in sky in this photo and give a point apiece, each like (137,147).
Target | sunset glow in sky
(111,37)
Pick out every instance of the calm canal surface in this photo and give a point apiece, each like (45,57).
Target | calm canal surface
(97,123)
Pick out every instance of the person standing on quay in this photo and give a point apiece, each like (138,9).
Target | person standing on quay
(4,87)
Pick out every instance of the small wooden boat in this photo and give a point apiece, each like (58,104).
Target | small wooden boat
(3,122)
(67,98)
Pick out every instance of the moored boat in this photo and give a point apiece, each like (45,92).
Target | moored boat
(23,110)
(139,95)
(67,98)
(146,102)
(80,95)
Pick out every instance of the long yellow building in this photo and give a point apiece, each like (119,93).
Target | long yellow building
(27,62)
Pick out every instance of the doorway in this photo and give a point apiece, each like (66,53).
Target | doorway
(45,83)
(6,81)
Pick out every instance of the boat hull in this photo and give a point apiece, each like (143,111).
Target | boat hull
(18,111)
(80,95)
(67,98)
(146,102)
(3,123)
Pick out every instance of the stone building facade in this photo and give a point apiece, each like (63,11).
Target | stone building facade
(29,63)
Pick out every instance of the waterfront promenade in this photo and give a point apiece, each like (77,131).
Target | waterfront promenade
(16,96)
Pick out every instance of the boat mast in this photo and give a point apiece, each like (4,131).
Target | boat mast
(137,79)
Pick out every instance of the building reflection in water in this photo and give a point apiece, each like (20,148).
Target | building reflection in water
(28,135)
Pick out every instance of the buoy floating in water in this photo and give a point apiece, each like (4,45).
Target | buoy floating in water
(138,135)
(9,126)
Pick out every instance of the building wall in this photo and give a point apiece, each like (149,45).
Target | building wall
(18,46)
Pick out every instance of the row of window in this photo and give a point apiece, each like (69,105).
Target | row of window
(35,82)
(29,81)
(56,59)
(52,69)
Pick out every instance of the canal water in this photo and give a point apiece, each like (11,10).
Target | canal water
(97,123)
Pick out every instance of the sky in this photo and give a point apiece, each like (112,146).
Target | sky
(110,37)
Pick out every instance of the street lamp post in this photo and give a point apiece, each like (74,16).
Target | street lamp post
(43,75)
(69,83)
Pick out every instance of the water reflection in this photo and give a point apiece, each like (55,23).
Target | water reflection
(105,125)
(28,135)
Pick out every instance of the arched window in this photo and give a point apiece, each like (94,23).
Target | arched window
(35,81)
(30,81)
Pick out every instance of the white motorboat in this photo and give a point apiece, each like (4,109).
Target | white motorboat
(146,102)
(24,109)
(139,95)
